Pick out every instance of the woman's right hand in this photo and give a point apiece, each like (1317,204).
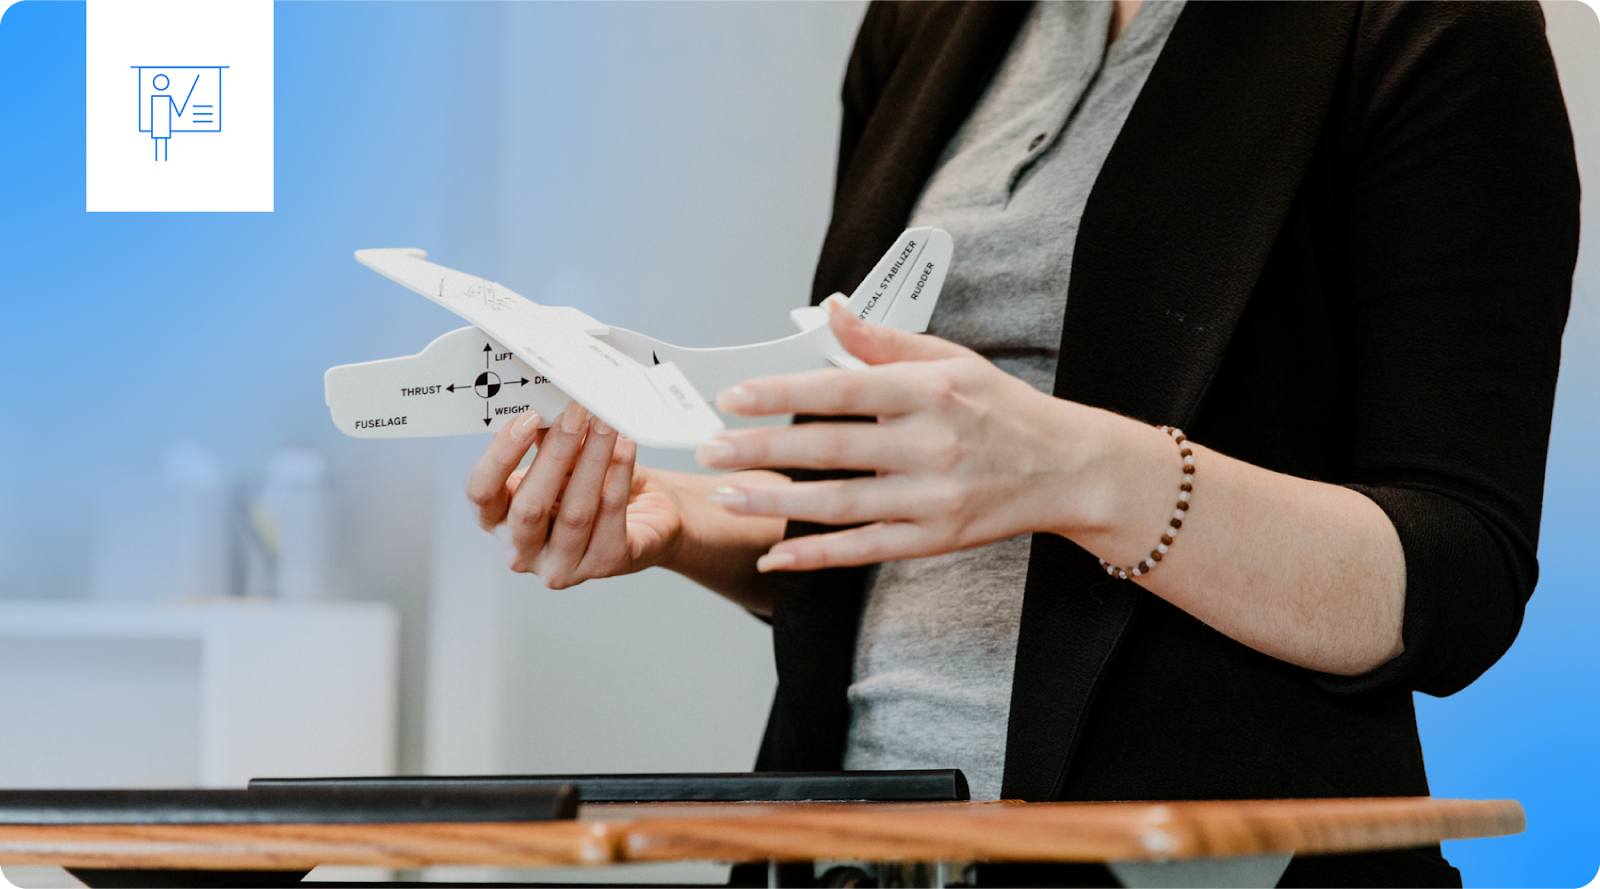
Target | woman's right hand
(583,509)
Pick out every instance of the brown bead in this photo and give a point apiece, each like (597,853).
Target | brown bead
(1177,523)
(1166,539)
(1183,505)
(1155,555)
(1186,487)
(1185,453)
(1189,470)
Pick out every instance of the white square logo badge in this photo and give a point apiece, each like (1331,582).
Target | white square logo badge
(179,106)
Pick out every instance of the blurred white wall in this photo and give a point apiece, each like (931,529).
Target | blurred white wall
(664,166)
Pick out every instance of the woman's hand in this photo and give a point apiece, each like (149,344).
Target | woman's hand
(583,509)
(964,453)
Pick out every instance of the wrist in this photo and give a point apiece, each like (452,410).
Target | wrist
(1123,498)
(677,551)
(710,539)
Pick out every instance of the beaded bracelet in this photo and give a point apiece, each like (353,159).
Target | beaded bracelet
(1144,566)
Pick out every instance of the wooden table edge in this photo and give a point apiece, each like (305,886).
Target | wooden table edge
(1076,832)
(292,846)
(1046,832)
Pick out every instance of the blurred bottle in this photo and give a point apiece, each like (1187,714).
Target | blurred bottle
(167,537)
(292,519)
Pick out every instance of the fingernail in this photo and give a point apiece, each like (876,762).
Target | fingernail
(526,426)
(732,498)
(572,420)
(598,426)
(735,399)
(775,562)
(714,452)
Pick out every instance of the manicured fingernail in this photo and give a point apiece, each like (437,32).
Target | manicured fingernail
(572,420)
(735,399)
(598,426)
(775,562)
(732,498)
(841,309)
(714,452)
(526,426)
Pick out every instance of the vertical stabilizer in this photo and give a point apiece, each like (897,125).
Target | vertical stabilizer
(920,284)
(875,296)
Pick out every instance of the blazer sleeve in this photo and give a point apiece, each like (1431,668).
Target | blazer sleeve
(1461,238)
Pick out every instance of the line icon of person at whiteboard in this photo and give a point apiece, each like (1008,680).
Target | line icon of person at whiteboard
(179,99)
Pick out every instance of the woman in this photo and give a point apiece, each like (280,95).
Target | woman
(1331,242)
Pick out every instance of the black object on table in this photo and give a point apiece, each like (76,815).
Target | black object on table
(912,785)
(289,804)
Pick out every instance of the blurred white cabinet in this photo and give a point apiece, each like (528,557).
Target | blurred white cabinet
(204,694)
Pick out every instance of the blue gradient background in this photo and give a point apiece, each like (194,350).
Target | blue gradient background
(123,331)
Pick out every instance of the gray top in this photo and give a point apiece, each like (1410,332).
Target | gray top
(934,659)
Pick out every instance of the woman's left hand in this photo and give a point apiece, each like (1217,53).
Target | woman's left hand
(963,453)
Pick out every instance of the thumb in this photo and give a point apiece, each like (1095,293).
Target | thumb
(880,344)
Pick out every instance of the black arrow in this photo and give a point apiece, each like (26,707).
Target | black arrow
(521,382)
(486,351)
(486,413)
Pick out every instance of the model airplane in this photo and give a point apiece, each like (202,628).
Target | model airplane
(519,356)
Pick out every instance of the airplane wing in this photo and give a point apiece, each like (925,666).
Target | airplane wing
(519,356)
(653,405)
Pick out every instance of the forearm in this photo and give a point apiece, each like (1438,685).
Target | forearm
(1308,572)
(718,549)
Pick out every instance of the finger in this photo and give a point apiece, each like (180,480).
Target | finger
(886,390)
(530,511)
(573,526)
(879,344)
(608,544)
(881,542)
(487,485)
(515,480)
(878,446)
(845,502)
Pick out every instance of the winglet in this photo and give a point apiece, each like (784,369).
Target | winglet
(369,256)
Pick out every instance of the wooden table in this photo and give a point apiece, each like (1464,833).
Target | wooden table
(1235,843)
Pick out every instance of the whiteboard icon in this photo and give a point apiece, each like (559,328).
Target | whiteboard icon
(179,99)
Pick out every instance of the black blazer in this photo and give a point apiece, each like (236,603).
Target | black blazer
(1335,240)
